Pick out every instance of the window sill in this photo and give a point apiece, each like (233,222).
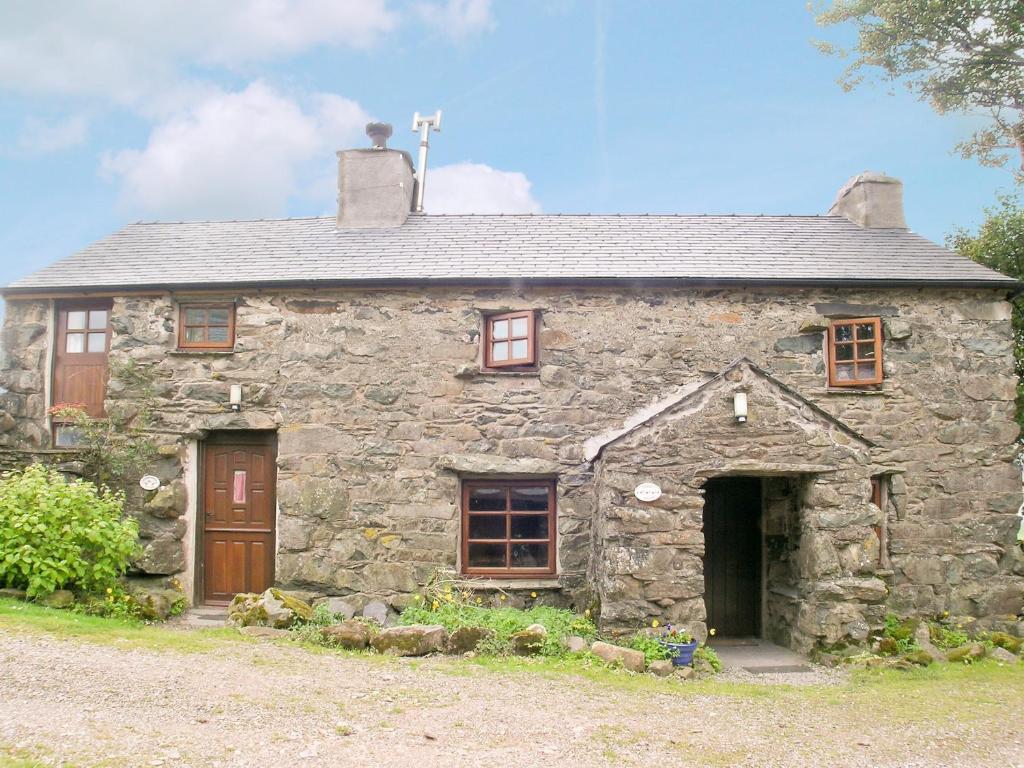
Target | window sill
(504,582)
(499,372)
(853,391)
(203,352)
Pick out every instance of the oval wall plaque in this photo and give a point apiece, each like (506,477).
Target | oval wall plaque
(647,491)
(149,482)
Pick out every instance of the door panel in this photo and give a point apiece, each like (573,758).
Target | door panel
(80,354)
(732,556)
(239,515)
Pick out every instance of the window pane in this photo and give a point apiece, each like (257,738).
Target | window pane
(97,342)
(519,326)
(98,319)
(195,317)
(67,437)
(529,499)
(519,349)
(844,372)
(529,556)
(487,555)
(865,330)
(499,329)
(218,316)
(844,351)
(529,526)
(76,321)
(76,342)
(499,351)
(866,371)
(487,527)
(487,500)
(866,351)
(217,334)
(238,489)
(195,335)
(844,332)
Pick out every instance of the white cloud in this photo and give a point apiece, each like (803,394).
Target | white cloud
(457,19)
(129,51)
(40,137)
(236,155)
(477,188)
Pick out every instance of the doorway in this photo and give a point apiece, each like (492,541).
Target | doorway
(239,512)
(732,556)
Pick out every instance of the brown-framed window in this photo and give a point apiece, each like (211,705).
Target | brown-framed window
(80,355)
(508,527)
(510,340)
(206,326)
(855,352)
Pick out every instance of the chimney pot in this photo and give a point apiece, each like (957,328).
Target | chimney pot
(379,134)
(872,201)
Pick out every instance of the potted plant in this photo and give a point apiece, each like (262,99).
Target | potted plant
(680,644)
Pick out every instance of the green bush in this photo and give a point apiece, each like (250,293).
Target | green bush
(453,605)
(57,534)
(650,646)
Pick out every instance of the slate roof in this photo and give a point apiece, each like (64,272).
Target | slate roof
(488,248)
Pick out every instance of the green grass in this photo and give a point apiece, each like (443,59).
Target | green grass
(27,617)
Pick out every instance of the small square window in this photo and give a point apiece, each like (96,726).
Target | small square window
(207,326)
(510,341)
(66,436)
(855,352)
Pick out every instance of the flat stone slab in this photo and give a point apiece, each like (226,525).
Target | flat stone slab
(758,656)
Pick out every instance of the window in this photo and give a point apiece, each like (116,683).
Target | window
(510,340)
(207,326)
(508,527)
(855,352)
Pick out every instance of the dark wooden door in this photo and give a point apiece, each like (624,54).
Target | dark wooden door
(239,514)
(732,556)
(80,354)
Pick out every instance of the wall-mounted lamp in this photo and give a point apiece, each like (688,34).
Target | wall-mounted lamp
(236,397)
(739,407)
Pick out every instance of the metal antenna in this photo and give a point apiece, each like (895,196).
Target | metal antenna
(423,125)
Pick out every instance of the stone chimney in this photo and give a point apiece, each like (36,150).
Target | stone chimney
(871,200)
(375,185)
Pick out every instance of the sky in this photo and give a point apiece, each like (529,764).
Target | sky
(113,111)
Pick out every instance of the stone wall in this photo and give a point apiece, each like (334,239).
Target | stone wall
(369,391)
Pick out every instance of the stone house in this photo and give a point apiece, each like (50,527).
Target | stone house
(782,426)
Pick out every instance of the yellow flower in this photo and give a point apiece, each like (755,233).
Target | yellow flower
(945,613)
(417,598)
(711,631)
(533,594)
(448,596)
(502,598)
(587,613)
(110,590)
(436,605)
(479,600)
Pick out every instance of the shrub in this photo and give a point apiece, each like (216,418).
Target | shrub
(707,653)
(947,638)
(650,646)
(56,534)
(452,604)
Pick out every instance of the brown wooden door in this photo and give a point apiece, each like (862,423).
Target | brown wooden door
(80,355)
(732,556)
(239,514)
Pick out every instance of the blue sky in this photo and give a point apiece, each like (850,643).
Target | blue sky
(114,111)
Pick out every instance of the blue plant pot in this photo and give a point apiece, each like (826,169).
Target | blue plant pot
(682,653)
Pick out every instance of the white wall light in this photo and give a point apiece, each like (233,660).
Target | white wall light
(236,397)
(739,407)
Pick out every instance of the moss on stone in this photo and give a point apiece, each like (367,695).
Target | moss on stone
(1006,642)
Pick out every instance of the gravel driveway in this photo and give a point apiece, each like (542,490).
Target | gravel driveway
(263,704)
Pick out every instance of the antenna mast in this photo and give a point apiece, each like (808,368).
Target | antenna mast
(423,125)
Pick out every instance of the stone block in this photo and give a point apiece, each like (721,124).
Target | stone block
(613,654)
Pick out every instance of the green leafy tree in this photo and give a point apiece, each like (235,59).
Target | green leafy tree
(999,244)
(55,533)
(963,56)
